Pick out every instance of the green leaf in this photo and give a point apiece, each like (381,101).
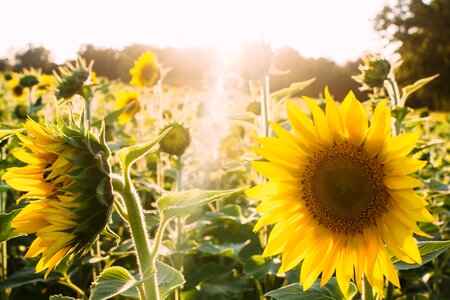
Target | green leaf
(6,133)
(168,279)
(6,231)
(293,89)
(21,277)
(130,154)
(428,251)
(258,266)
(112,282)
(61,297)
(175,204)
(112,117)
(408,90)
(329,291)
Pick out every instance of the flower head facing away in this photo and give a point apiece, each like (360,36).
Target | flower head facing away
(146,70)
(72,79)
(66,181)
(340,194)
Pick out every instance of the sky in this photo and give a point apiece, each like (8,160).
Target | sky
(341,30)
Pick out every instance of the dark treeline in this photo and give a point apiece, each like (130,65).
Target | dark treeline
(194,66)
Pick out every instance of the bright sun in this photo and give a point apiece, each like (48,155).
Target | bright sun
(340,30)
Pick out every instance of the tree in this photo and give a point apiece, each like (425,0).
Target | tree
(422,31)
(34,57)
(105,60)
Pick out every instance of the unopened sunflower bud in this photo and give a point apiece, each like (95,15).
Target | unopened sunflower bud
(67,181)
(374,71)
(28,81)
(176,140)
(71,79)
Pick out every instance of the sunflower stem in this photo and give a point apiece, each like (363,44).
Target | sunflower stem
(146,261)
(394,92)
(367,292)
(30,102)
(265,104)
(179,221)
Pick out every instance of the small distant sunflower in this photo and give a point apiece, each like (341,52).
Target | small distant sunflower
(45,82)
(17,90)
(129,100)
(146,70)
(67,183)
(340,194)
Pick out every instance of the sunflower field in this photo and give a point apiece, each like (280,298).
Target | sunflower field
(139,190)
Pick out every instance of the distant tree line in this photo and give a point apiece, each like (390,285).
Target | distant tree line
(195,66)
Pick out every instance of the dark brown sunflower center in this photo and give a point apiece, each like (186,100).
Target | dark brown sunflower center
(148,72)
(343,188)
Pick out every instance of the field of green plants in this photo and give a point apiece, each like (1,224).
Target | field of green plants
(144,191)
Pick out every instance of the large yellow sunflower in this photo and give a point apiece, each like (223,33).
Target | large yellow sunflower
(67,183)
(146,70)
(340,194)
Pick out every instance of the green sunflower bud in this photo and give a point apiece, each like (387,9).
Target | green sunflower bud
(374,71)
(176,141)
(21,111)
(67,180)
(72,79)
(28,81)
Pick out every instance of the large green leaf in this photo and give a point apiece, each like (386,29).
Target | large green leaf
(329,291)
(168,279)
(428,250)
(293,89)
(130,154)
(176,204)
(61,297)
(112,282)
(408,90)
(258,266)
(21,277)
(6,231)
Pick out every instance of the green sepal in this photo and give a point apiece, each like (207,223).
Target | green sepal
(6,231)
(6,133)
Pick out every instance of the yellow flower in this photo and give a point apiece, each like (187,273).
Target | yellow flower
(146,70)
(45,82)
(130,100)
(340,194)
(17,90)
(69,189)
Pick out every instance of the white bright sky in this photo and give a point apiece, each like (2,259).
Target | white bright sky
(338,29)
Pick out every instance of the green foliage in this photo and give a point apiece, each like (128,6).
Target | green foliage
(328,291)
(428,251)
(422,28)
(6,231)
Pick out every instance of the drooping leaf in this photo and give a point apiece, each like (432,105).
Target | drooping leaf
(329,291)
(291,90)
(61,297)
(6,231)
(409,89)
(168,279)
(130,154)
(112,282)
(21,277)
(428,251)
(176,204)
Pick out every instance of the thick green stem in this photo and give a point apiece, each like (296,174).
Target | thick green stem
(179,221)
(146,261)
(30,102)
(395,92)
(367,292)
